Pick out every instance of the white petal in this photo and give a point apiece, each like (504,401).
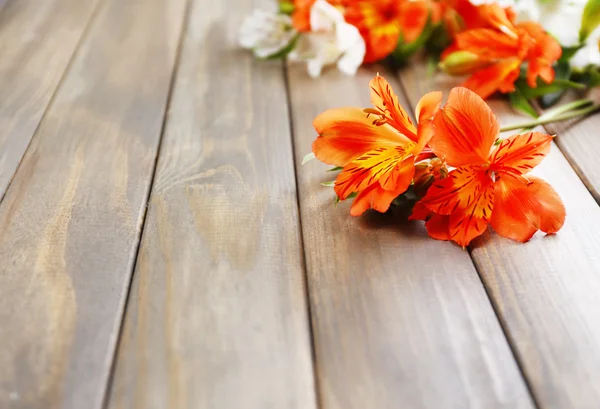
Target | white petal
(314,67)
(346,36)
(266,32)
(353,58)
(323,16)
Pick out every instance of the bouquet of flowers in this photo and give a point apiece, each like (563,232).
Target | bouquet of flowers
(501,47)
(450,167)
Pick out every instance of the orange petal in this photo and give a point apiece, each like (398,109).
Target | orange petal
(498,18)
(500,76)
(466,129)
(420,212)
(544,52)
(378,23)
(347,133)
(488,44)
(470,222)
(520,209)
(438,227)
(386,101)
(464,188)
(380,42)
(301,14)
(413,18)
(427,107)
(464,226)
(523,152)
(400,178)
(374,197)
(384,165)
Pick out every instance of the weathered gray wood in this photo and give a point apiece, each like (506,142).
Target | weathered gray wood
(578,140)
(217,316)
(70,221)
(399,320)
(37,40)
(545,291)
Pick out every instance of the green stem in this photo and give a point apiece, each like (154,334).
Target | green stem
(563,117)
(559,110)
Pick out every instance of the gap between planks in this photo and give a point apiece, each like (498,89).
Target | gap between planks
(18,152)
(175,70)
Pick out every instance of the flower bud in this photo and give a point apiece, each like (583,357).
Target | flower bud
(461,62)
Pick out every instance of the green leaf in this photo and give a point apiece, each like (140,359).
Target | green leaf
(563,72)
(590,19)
(543,88)
(569,51)
(328,184)
(594,77)
(438,40)
(350,196)
(308,157)
(589,76)
(335,169)
(286,7)
(521,104)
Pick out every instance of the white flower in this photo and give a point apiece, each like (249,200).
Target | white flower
(266,33)
(330,41)
(590,53)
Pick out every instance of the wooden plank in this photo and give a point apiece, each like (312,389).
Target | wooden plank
(578,140)
(217,316)
(37,40)
(70,221)
(545,291)
(399,320)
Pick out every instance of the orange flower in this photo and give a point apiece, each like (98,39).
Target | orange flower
(384,23)
(377,148)
(494,53)
(486,188)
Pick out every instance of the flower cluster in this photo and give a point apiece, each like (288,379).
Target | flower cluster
(501,46)
(451,159)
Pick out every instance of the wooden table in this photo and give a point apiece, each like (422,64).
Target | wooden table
(162,247)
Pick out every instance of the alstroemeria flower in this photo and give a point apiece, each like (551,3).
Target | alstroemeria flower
(384,23)
(494,54)
(377,148)
(487,186)
(266,33)
(460,15)
(331,41)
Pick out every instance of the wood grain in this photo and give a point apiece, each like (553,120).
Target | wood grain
(579,142)
(70,221)
(399,320)
(545,291)
(217,316)
(37,40)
